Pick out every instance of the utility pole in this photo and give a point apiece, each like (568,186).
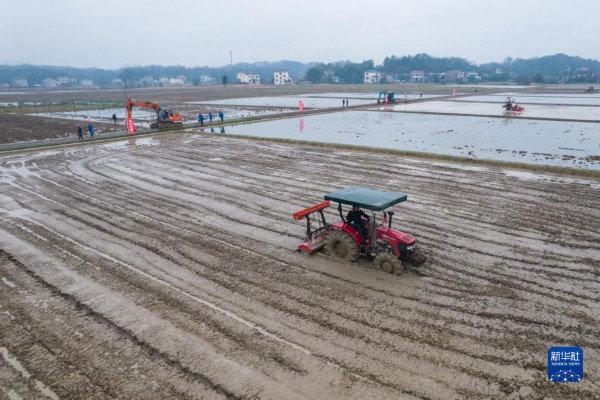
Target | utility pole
(231,57)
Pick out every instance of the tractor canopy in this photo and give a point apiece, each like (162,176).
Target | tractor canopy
(370,199)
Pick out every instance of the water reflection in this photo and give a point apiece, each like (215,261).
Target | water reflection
(442,134)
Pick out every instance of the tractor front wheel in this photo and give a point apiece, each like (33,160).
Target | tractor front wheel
(389,263)
(341,246)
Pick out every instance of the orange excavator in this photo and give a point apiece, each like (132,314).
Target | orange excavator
(165,118)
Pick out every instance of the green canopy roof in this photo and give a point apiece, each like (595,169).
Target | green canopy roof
(370,199)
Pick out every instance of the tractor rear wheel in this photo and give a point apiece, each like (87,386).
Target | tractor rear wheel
(340,245)
(389,263)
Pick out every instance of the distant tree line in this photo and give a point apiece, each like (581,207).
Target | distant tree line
(37,73)
(339,72)
(134,76)
(549,69)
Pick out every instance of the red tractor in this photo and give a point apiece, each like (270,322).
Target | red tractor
(349,240)
(511,105)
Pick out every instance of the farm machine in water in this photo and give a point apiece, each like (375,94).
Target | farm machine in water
(511,105)
(346,240)
(165,118)
(386,97)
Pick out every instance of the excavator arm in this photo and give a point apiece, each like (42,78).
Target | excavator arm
(164,118)
(140,103)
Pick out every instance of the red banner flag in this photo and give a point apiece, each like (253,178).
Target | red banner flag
(301,105)
(130,126)
(453,92)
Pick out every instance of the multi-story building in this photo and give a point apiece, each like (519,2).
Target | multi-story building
(417,76)
(244,77)
(372,76)
(207,79)
(455,76)
(282,78)
(20,82)
(50,83)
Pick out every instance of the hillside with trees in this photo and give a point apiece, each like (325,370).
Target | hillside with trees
(558,68)
(548,69)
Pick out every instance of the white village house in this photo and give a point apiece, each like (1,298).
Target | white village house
(282,78)
(417,76)
(372,76)
(50,83)
(244,77)
(20,82)
(455,76)
(207,79)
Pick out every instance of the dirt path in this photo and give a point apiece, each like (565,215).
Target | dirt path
(167,270)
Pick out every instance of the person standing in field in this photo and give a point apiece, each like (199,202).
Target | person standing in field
(114,118)
(91,129)
(201,119)
(221,116)
(343,103)
(210,116)
(79,133)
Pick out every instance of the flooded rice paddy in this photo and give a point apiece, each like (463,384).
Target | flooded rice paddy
(143,118)
(557,129)
(583,99)
(562,112)
(291,101)
(568,144)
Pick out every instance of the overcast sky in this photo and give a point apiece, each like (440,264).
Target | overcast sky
(114,34)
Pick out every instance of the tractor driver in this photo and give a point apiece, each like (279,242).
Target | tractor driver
(355,218)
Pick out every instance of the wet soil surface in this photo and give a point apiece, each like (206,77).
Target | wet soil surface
(23,128)
(166,269)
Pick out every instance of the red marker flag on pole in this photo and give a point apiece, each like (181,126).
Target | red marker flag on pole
(301,105)
(453,92)
(130,126)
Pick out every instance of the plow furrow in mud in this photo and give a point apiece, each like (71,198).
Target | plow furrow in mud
(170,269)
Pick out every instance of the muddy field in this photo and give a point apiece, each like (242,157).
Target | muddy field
(165,268)
(19,127)
(24,128)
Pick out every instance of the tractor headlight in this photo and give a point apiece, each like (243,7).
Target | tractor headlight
(410,248)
